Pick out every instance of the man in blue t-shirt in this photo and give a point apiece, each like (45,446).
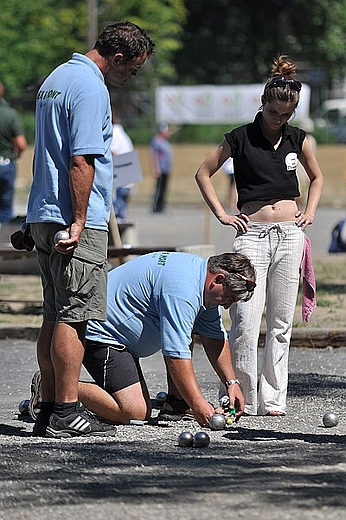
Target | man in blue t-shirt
(157,302)
(12,144)
(72,191)
(162,158)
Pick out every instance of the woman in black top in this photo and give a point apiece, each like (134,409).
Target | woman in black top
(270,231)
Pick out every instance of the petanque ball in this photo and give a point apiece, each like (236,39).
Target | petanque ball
(201,440)
(161,398)
(24,407)
(61,235)
(185,439)
(330,419)
(217,421)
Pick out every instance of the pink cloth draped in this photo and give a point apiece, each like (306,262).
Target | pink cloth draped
(309,282)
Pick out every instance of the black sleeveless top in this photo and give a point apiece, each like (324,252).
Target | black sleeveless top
(261,171)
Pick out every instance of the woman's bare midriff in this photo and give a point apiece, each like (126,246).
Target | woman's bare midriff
(271,210)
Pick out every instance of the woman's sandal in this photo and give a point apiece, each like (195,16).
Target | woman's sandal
(180,410)
(275,413)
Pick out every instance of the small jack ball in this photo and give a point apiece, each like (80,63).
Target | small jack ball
(330,419)
(24,407)
(161,398)
(201,440)
(217,421)
(61,235)
(185,440)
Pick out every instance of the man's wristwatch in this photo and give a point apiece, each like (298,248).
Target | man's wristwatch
(232,382)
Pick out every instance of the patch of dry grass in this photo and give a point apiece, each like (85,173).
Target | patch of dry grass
(20,300)
(331,296)
(187,158)
(330,272)
(21,296)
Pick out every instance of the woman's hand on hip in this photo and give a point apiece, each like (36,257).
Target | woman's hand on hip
(239,222)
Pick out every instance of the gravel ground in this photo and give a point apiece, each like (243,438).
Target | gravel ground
(278,468)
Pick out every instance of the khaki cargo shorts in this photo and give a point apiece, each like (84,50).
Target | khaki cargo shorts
(75,285)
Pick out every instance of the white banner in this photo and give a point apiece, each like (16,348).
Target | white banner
(210,104)
(126,169)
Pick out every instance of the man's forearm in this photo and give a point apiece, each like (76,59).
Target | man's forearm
(218,353)
(82,172)
(184,378)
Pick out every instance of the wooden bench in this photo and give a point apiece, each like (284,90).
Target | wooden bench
(13,261)
(9,253)
(116,252)
(123,228)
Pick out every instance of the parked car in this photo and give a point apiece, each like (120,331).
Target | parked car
(332,116)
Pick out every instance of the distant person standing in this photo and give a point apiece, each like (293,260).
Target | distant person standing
(121,143)
(12,144)
(162,155)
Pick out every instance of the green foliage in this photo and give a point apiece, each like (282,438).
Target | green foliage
(36,36)
(324,136)
(144,128)
(163,21)
(28,122)
(319,27)
(235,41)
(203,134)
(197,41)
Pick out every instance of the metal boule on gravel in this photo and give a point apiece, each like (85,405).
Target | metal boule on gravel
(330,419)
(24,407)
(217,421)
(161,398)
(201,440)
(185,439)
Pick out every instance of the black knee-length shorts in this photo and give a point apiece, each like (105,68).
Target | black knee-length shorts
(112,367)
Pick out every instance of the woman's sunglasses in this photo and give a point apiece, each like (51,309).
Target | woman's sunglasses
(282,82)
(250,284)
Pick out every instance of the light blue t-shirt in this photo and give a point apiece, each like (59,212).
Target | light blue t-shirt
(156,302)
(73,117)
(161,149)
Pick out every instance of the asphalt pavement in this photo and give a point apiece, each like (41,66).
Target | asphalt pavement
(263,467)
(195,225)
(283,468)
(191,226)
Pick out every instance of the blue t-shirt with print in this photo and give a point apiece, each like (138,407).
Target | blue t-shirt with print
(73,117)
(161,149)
(156,302)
